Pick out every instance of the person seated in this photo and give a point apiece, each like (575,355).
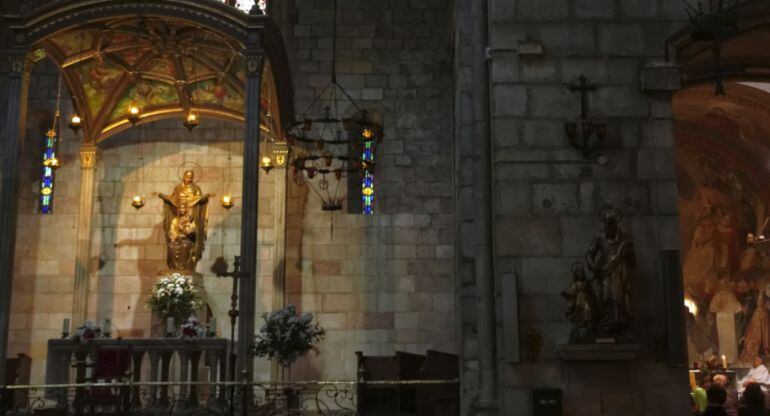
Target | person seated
(717,395)
(758,374)
(754,401)
(731,399)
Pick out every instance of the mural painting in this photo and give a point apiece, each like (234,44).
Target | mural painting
(726,279)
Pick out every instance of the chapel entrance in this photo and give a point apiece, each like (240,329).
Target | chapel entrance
(169,99)
(722,162)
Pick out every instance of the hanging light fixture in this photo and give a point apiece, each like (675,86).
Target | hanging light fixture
(51,161)
(76,123)
(192,118)
(137,201)
(191,121)
(227,199)
(714,24)
(134,114)
(330,147)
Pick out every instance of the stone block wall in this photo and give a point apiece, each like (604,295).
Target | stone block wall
(545,212)
(127,245)
(386,282)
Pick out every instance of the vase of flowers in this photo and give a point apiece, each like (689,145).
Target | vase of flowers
(192,329)
(286,336)
(88,331)
(174,296)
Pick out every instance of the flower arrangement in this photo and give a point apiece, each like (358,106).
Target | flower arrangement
(192,329)
(287,336)
(88,331)
(175,297)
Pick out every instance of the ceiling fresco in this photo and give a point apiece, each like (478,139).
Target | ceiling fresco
(165,67)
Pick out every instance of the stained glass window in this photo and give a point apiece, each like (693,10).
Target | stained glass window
(246,5)
(367,184)
(46,185)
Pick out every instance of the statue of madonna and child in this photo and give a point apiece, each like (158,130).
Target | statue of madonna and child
(176,296)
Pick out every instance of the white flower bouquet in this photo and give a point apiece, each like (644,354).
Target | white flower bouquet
(88,331)
(287,336)
(175,297)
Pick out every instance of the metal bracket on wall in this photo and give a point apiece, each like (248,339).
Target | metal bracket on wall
(523,48)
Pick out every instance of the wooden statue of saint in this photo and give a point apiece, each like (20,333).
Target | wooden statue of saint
(185,215)
(611,258)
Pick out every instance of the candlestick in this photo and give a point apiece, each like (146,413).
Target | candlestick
(724,362)
(107,327)
(65,329)
(169,326)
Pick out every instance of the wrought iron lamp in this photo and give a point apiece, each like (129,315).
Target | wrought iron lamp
(330,146)
(585,134)
(716,22)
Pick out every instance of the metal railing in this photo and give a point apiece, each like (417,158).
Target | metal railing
(322,398)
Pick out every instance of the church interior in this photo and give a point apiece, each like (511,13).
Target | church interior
(384,207)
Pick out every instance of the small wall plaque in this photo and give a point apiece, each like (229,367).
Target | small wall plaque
(546,402)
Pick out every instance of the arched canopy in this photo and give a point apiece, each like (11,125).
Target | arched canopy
(167,57)
(743,54)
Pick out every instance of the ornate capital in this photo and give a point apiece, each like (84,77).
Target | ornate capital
(17,62)
(254,65)
(89,155)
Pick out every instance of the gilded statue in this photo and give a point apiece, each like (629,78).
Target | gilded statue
(611,258)
(185,215)
(581,305)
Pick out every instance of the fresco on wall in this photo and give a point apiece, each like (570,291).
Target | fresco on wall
(726,279)
(97,79)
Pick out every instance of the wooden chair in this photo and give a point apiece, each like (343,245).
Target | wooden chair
(439,399)
(17,372)
(387,399)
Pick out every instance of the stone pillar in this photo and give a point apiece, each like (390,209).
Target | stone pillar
(279,253)
(279,225)
(12,137)
(247,290)
(88,160)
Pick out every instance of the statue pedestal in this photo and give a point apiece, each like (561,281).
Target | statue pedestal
(599,352)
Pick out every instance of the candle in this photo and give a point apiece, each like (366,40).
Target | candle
(213,326)
(169,325)
(724,361)
(65,328)
(693,384)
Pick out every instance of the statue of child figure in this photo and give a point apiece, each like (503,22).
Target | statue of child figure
(580,305)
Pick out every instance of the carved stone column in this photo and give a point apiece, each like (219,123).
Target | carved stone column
(247,290)
(12,129)
(88,160)
(279,250)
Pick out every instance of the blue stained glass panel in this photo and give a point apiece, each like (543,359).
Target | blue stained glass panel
(46,184)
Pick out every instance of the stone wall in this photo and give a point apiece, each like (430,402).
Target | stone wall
(545,212)
(385,282)
(127,245)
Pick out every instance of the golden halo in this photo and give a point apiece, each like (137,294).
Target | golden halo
(185,166)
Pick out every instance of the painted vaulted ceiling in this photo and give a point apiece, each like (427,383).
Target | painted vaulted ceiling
(165,67)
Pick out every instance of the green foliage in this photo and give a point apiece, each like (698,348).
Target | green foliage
(287,336)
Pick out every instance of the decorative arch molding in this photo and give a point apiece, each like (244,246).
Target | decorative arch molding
(240,34)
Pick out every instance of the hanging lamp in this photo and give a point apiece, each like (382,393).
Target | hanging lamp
(331,146)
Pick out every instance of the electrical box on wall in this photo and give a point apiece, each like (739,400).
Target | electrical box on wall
(547,402)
